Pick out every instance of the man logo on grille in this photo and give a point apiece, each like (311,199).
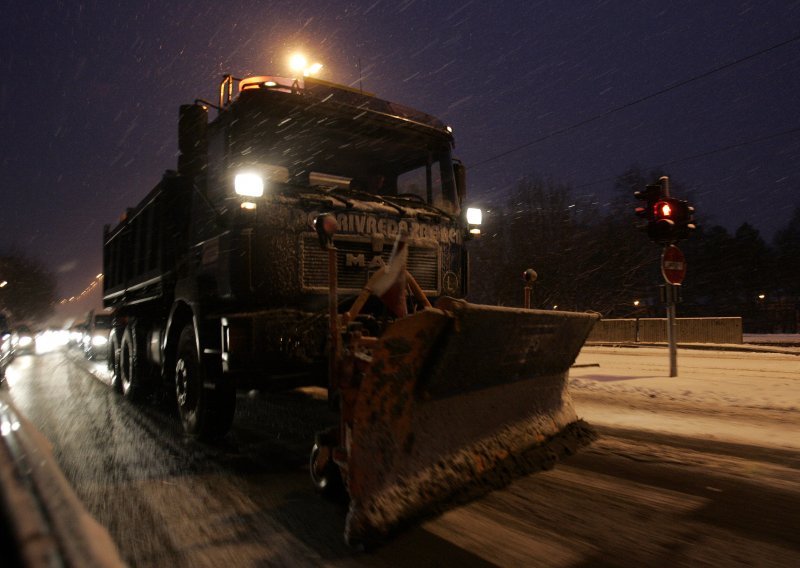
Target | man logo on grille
(360,261)
(351,260)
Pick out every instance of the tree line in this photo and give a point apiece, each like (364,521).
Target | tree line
(590,255)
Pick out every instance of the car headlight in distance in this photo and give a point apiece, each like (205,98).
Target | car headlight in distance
(99,340)
(249,184)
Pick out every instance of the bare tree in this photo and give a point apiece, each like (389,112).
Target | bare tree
(587,255)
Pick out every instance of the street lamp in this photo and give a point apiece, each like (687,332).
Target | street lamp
(636,303)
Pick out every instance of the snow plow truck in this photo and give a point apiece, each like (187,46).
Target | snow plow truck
(315,234)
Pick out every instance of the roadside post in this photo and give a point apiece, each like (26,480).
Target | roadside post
(529,276)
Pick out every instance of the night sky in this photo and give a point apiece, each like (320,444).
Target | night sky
(90,94)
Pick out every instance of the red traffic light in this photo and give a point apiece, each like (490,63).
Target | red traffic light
(668,219)
(665,210)
(672,220)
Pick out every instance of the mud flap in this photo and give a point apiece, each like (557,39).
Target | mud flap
(454,399)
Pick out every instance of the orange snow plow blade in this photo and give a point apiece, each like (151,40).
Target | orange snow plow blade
(457,400)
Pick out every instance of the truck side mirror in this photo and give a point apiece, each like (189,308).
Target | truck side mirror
(326,227)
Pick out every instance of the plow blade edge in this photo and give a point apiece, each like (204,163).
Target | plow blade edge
(453,401)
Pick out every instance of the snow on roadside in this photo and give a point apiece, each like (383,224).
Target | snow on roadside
(767,338)
(742,397)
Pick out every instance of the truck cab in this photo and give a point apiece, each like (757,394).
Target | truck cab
(286,150)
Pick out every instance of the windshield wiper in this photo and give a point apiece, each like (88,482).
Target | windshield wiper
(358,194)
(418,201)
(321,190)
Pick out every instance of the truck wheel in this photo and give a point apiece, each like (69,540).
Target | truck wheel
(325,474)
(132,373)
(206,401)
(113,361)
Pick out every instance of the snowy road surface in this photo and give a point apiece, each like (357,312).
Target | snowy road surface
(701,470)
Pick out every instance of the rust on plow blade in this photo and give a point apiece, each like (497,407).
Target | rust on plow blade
(455,399)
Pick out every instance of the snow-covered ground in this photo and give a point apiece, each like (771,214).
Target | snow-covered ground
(766,338)
(732,396)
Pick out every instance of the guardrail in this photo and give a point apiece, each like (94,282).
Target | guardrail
(654,330)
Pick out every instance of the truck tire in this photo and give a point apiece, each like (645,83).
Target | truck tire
(206,401)
(133,372)
(113,361)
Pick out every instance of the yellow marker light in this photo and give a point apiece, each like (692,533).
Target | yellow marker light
(298,62)
(313,69)
(249,185)
(299,65)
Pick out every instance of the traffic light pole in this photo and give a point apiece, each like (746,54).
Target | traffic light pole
(671,293)
(673,346)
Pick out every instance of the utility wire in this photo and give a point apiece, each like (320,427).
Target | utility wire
(637,101)
(702,154)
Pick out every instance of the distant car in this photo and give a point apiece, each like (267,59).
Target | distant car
(23,341)
(95,338)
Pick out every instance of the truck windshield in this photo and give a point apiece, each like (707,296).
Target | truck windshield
(370,156)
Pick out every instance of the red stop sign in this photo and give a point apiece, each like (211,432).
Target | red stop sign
(673,265)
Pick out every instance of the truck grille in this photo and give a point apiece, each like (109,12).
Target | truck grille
(353,259)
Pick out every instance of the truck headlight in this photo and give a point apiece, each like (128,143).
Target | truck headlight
(474,216)
(474,219)
(99,340)
(249,184)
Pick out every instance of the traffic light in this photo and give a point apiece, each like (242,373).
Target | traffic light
(650,195)
(672,220)
(661,227)
(668,220)
(686,221)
